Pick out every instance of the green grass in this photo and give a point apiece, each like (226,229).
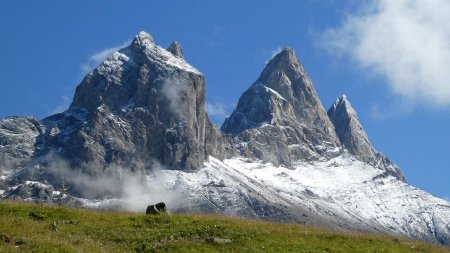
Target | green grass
(40,228)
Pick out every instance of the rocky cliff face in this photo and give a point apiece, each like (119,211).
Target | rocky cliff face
(349,130)
(280,117)
(354,138)
(18,139)
(143,103)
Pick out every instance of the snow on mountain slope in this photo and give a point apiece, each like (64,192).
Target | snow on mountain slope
(339,193)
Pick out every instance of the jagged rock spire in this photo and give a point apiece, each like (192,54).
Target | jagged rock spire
(176,49)
(285,74)
(142,40)
(354,138)
(285,62)
(349,129)
(284,80)
(280,73)
(283,103)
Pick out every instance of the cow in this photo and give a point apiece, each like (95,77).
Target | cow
(156,209)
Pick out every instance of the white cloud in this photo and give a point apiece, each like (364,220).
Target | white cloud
(93,61)
(175,90)
(217,111)
(405,41)
(272,53)
(98,57)
(102,55)
(63,106)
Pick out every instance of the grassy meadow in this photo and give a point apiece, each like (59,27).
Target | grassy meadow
(27,227)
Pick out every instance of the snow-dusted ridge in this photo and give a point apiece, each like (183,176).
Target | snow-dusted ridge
(114,65)
(160,54)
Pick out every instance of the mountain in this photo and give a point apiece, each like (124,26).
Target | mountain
(354,139)
(137,132)
(141,102)
(280,118)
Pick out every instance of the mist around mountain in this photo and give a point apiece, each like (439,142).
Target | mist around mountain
(137,132)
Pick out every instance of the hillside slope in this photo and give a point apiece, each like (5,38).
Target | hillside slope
(40,228)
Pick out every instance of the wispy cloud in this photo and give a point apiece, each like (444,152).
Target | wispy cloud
(93,61)
(214,38)
(96,58)
(272,53)
(175,90)
(406,42)
(217,111)
(63,105)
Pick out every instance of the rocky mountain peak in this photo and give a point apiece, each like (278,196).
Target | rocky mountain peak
(282,113)
(176,49)
(140,104)
(285,75)
(344,107)
(349,129)
(353,137)
(142,40)
(123,77)
(281,70)
(284,59)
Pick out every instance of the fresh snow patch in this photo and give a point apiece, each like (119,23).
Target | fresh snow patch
(267,89)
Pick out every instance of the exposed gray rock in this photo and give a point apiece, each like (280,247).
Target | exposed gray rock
(18,136)
(354,138)
(176,49)
(141,104)
(39,192)
(31,191)
(349,129)
(218,144)
(280,117)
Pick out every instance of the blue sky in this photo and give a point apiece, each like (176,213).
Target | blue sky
(391,58)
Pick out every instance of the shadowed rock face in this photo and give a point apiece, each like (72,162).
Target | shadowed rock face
(280,117)
(354,138)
